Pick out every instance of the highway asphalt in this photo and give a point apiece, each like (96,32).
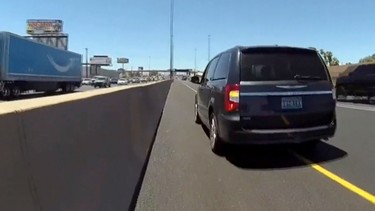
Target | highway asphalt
(183,173)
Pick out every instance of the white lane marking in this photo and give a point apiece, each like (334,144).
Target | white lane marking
(356,107)
(189,87)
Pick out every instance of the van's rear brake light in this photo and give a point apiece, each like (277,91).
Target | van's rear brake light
(232,97)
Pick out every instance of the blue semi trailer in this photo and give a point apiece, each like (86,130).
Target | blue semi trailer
(28,65)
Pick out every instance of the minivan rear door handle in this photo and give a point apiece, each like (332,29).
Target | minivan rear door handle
(209,86)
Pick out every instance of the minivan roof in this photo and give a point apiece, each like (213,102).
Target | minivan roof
(241,48)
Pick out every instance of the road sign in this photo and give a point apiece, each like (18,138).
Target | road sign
(35,27)
(101,60)
(122,60)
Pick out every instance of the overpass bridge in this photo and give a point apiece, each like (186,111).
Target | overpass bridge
(90,71)
(138,148)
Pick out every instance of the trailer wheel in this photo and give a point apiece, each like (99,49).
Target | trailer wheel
(71,88)
(6,92)
(15,91)
(67,88)
(64,88)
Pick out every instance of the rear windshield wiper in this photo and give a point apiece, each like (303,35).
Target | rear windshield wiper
(307,77)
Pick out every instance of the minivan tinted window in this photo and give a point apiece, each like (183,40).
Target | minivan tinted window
(211,68)
(222,67)
(275,64)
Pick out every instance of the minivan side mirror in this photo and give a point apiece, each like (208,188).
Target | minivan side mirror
(195,79)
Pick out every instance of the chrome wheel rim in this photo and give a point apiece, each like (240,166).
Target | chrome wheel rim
(196,111)
(7,92)
(213,133)
(15,91)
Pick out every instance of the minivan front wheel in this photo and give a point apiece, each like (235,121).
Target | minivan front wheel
(197,118)
(217,146)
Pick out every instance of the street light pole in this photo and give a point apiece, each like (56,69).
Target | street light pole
(87,65)
(149,63)
(171,44)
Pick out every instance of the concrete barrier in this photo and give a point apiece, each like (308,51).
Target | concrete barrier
(84,154)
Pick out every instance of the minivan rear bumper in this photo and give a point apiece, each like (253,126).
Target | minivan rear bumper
(230,131)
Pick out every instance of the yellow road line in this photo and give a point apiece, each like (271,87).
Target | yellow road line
(364,194)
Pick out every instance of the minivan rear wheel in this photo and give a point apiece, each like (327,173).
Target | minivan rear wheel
(217,145)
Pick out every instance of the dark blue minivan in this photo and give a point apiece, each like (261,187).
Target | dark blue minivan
(266,95)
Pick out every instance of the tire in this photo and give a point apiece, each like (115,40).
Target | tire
(197,118)
(15,92)
(66,88)
(6,92)
(69,88)
(216,144)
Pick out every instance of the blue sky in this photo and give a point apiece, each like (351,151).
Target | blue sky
(139,29)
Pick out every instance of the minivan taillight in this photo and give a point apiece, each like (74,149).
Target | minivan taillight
(232,97)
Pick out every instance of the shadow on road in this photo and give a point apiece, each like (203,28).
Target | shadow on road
(279,156)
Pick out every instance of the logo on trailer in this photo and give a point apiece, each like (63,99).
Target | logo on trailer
(61,68)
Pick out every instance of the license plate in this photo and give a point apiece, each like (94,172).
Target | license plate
(291,103)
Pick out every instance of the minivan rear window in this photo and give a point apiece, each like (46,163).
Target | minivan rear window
(281,64)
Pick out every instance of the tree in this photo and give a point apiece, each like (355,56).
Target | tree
(368,59)
(328,58)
